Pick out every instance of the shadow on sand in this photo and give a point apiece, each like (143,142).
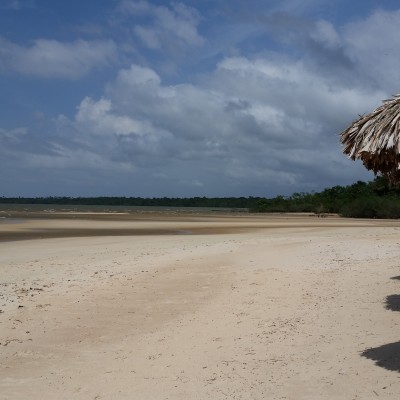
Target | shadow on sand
(386,356)
(393,302)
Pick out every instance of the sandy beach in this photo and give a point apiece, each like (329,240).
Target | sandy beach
(198,306)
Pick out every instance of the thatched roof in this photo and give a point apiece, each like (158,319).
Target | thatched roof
(375,139)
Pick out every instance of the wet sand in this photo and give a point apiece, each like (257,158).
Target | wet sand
(198,306)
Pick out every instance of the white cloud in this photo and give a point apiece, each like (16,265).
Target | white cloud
(149,37)
(254,120)
(137,75)
(326,34)
(139,7)
(292,89)
(12,135)
(63,157)
(54,59)
(373,44)
(97,117)
(182,21)
(17,4)
(172,26)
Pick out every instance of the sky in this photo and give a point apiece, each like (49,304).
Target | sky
(188,98)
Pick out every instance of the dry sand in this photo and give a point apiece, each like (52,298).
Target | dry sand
(199,307)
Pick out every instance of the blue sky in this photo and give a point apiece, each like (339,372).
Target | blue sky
(190,98)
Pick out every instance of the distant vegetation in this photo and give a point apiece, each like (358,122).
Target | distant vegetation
(375,199)
(219,202)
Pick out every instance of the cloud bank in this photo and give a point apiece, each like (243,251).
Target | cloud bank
(53,59)
(262,121)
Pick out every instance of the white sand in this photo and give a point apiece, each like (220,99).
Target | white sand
(282,313)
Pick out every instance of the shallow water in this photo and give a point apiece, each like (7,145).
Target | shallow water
(63,208)
(8,220)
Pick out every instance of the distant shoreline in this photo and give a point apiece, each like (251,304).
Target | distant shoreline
(11,208)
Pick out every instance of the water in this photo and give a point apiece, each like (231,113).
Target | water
(63,208)
(6,220)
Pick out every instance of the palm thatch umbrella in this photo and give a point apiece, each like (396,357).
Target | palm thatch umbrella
(375,139)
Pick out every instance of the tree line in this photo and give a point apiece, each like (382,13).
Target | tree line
(375,199)
(209,202)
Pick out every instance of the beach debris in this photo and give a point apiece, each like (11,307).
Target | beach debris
(8,341)
(375,139)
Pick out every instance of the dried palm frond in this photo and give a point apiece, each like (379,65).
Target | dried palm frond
(375,139)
